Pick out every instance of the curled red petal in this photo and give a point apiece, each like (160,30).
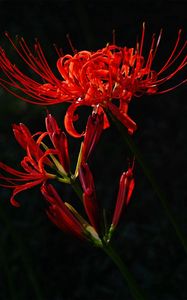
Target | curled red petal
(70,118)
(23,187)
(11,170)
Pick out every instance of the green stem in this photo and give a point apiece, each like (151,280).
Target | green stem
(77,188)
(147,171)
(134,289)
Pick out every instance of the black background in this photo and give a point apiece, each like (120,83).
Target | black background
(34,250)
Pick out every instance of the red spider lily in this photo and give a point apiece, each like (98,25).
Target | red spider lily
(92,78)
(37,160)
(64,216)
(33,165)
(39,156)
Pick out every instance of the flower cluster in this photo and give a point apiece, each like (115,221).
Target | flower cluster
(108,77)
(43,163)
(105,80)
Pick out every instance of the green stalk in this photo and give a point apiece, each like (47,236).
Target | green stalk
(147,171)
(77,188)
(134,289)
(109,250)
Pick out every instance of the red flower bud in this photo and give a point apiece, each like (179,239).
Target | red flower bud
(126,187)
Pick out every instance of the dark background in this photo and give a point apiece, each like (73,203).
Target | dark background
(34,254)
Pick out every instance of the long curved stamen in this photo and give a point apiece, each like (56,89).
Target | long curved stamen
(168,64)
(38,64)
(142,39)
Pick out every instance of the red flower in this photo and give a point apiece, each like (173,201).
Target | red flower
(40,158)
(92,78)
(37,161)
(64,216)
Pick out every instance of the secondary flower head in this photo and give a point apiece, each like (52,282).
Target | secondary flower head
(92,78)
(43,162)
(90,223)
(40,162)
